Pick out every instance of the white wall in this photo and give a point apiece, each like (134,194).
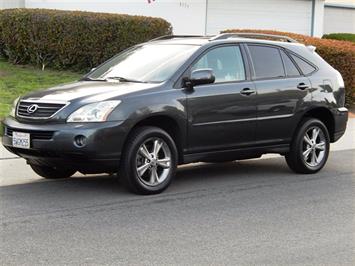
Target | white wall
(318,18)
(339,20)
(187,17)
(284,15)
(11,3)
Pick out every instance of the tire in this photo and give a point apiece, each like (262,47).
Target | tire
(52,172)
(309,155)
(144,171)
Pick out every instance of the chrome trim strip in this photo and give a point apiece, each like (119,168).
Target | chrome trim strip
(274,117)
(343,109)
(224,122)
(42,101)
(38,101)
(243,120)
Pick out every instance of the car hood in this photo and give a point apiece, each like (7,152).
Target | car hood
(88,90)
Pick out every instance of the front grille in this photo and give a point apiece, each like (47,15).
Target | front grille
(34,134)
(38,110)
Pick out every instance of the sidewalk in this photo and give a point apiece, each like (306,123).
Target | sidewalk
(5,154)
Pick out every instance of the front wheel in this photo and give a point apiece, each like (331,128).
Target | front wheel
(310,148)
(52,172)
(149,161)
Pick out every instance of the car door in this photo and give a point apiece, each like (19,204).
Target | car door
(222,114)
(281,93)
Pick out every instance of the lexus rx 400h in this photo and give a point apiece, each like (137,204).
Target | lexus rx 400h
(182,99)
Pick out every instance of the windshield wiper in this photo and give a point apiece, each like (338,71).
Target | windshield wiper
(91,79)
(122,79)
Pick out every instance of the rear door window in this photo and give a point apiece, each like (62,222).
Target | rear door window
(305,67)
(267,62)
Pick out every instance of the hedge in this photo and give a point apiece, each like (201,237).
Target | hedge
(340,36)
(339,54)
(72,39)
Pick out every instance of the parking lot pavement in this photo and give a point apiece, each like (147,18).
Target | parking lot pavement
(247,212)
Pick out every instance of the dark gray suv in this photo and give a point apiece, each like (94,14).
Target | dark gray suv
(182,99)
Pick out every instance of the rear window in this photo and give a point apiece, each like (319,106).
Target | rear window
(305,67)
(266,61)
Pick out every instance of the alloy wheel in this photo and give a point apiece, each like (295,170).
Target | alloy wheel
(314,146)
(153,161)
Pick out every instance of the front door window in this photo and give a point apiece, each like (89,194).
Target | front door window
(226,63)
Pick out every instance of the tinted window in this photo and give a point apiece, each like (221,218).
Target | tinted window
(226,63)
(291,69)
(305,67)
(267,62)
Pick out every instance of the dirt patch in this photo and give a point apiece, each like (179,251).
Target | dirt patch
(3,73)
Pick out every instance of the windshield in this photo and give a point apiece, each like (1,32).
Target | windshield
(148,63)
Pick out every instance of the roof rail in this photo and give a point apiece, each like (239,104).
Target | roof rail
(167,37)
(253,35)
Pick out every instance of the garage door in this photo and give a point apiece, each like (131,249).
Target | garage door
(284,15)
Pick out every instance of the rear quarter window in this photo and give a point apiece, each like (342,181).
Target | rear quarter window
(305,67)
(290,68)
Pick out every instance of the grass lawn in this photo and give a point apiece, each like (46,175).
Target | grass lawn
(18,80)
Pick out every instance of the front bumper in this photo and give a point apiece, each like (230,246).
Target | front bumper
(54,144)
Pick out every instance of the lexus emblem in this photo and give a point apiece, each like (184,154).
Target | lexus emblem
(32,108)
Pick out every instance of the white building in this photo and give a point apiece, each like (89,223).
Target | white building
(11,3)
(339,16)
(205,16)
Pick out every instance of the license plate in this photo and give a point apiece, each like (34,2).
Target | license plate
(21,140)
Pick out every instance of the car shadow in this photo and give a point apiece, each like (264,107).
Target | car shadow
(192,175)
(247,168)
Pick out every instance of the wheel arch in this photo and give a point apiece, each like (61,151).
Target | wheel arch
(168,124)
(324,115)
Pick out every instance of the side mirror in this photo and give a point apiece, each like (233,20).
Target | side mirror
(200,77)
(93,69)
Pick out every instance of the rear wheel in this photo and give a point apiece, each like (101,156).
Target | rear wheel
(310,148)
(52,172)
(148,161)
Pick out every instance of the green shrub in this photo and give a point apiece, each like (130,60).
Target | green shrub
(72,39)
(339,54)
(340,36)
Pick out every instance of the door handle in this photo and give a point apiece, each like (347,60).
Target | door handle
(247,92)
(302,86)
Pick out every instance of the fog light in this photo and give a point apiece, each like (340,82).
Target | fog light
(80,140)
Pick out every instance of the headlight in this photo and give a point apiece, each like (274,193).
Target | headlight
(94,112)
(13,109)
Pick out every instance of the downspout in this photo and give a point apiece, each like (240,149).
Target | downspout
(313,20)
(206,12)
